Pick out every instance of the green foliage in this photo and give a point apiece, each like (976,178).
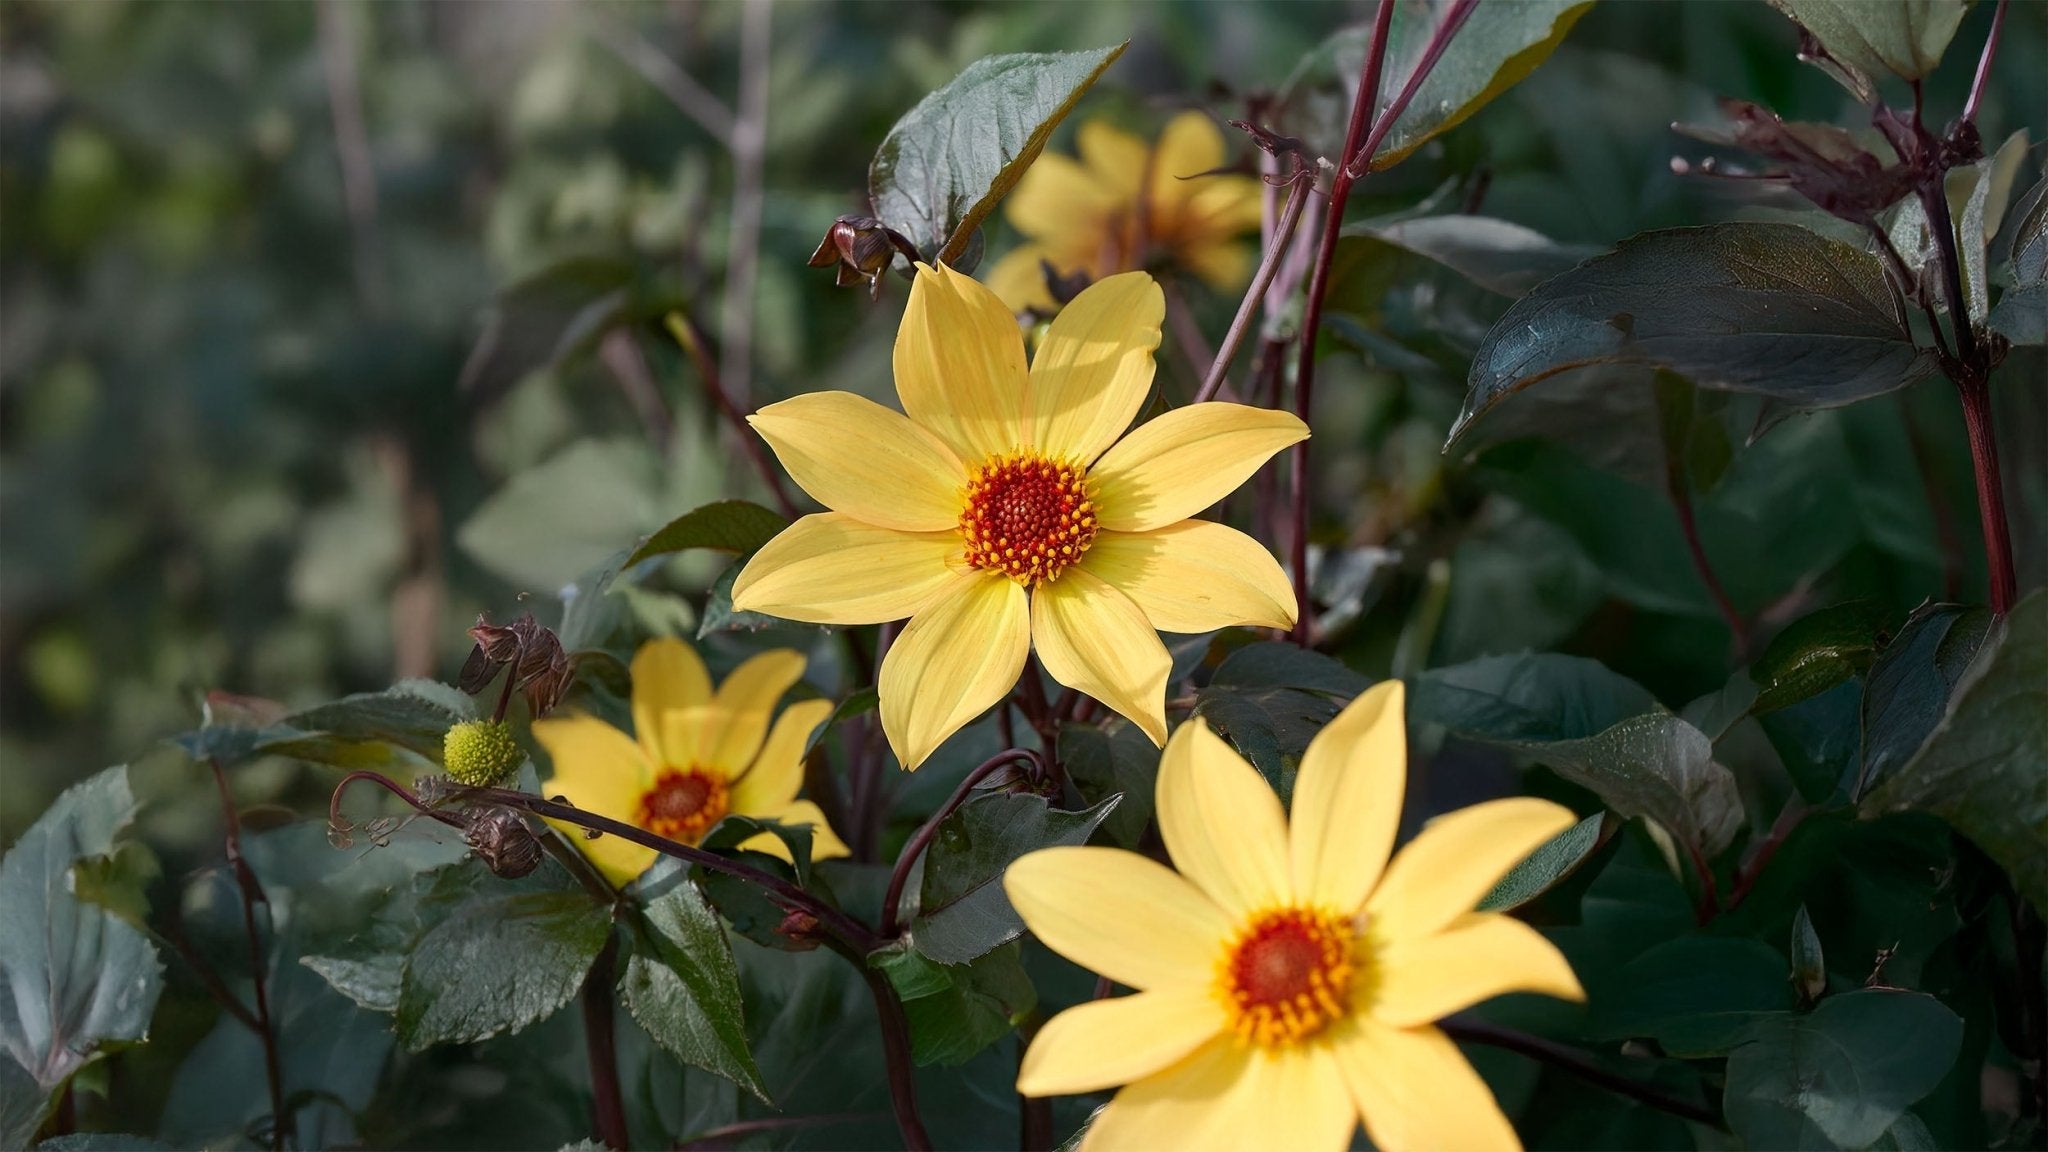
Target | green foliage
(728,526)
(682,986)
(962,913)
(1842,1075)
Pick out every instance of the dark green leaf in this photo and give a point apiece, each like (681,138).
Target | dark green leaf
(2022,311)
(1697,996)
(497,955)
(682,986)
(1113,759)
(962,910)
(1905,37)
(1275,664)
(1498,255)
(1542,869)
(1984,765)
(941,170)
(1911,684)
(400,727)
(1270,727)
(1820,741)
(1815,653)
(1839,1077)
(729,526)
(1531,697)
(956,1010)
(1729,307)
(78,978)
(23,1103)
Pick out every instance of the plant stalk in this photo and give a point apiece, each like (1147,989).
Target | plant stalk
(1301,185)
(608,1104)
(900,875)
(1579,1064)
(896,1054)
(251,889)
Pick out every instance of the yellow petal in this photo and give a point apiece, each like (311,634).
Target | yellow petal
(778,771)
(830,568)
(1123,915)
(825,843)
(1094,366)
(1195,576)
(1224,266)
(1347,800)
(1189,145)
(1220,207)
(1180,463)
(960,370)
(960,655)
(1105,1043)
(1416,1091)
(744,703)
(1222,824)
(1056,196)
(1203,1102)
(1018,280)
(687,737)
(1116,159)
(857,457)
(1455,860)
(593,756)
(1091,637)
(1305,1102)
(1426,978)
(667,673)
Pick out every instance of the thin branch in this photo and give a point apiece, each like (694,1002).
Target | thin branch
(1984,64)
(1709,905)
(725,1135)
(1360,162)
(743,238)
(1680,491)
(686,334)
(691,98)
(608,1105)
(1302,184)
(896,1054)
(1312,313)
(1186,333)
(281,1123)
(900,875)
(1789,817)
(1581,1065)
(621,356)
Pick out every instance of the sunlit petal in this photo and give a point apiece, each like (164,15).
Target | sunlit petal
(825,843)
(960,370)
(591,755)
(667,673)
(1347,799)
(1091,637)
(872,463)
(777,773)
(953,661)
(1123,915)
(1416,1091)
(830,568)
(1203,1102)
(1174,466)
(1105,1043)
(1093,368)
(1457,859)
(1195,576)
(1425,978)
(1189,145)
(1222,824)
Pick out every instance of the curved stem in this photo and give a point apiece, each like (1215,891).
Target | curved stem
(608,1104)
(1302,184)
(900,875)
(1579,1064)
(252,893)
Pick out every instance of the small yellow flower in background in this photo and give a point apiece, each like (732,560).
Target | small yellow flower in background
(1127,206)
(696,756)
(1004,510)
(1289,975)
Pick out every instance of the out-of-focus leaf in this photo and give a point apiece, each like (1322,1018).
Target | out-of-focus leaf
(956,1010)
(1499,45)
(1839,1076)
(682,986)
(102,1142)
(400,727)
(1903,37)
(962,911)
(1696,996)
(78,979)
(497,955)
(1595,728)
(1815,653)
(542,320)
(941,170)
(1498,255)
(1275,664)
(1113,759)
(549,524)
(1912,683)
(1809,964)
(728,526)
(1983,767)
(1544,868)
(1771,309)
(2022,311)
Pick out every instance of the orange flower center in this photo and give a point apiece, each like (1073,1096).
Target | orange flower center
(1027,516)
(1287,976)
(683,805)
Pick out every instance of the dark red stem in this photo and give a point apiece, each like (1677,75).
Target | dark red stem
(1300,186)
(1984,63)
(900,875)
(608,1104)
(251,889)
(896,1054)
(1681,501)
(1579,1064)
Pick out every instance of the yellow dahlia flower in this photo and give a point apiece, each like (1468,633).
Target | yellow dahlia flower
(696,756)
(1004,510)
(1288,976)
(1125,206)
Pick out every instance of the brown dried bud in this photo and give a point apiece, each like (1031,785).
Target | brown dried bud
(863,248)
(503,841)
(540,666)
(1821,162)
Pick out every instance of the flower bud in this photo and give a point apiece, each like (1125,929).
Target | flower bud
(503,841)
(862,248)
(480,753)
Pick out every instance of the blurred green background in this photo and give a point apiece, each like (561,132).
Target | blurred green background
(325,326)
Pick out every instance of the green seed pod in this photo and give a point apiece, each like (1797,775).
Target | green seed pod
(480,752)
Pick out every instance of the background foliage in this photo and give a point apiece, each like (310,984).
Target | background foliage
(324,328)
